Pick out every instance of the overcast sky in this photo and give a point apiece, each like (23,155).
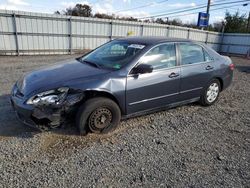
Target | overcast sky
(121,7)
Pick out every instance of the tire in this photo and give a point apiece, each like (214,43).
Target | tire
(99,115)
(211,93)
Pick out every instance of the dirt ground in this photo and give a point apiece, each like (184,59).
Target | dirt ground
(188,146)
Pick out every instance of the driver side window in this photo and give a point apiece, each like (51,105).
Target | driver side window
(162,56)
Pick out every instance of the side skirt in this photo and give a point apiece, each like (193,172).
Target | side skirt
(145,112)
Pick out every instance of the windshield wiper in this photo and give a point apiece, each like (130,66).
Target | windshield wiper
(91,63)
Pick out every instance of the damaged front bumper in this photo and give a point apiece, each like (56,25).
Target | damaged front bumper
(44,117)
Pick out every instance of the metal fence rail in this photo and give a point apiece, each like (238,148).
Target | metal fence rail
(234,43)
(24,33)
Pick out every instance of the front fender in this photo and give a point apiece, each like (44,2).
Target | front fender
(114,87)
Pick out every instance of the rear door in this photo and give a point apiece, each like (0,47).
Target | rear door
(196,69)
(156,89)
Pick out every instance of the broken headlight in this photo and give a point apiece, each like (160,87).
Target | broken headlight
(51,97)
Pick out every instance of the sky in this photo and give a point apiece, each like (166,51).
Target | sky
(122,7)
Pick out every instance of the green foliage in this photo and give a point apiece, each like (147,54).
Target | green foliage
(104,16)
(79,10)
(235,23)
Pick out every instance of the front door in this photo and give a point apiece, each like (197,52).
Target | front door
(159,88)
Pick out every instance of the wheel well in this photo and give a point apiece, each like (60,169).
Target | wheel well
(221,82)
(92,94)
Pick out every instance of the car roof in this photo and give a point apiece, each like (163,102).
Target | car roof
(153,40)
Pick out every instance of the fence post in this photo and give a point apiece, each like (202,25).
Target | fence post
(188,33)
(141,30)
(70,35)
(15,31)
(221,42)
(228,50)
(111,30)
(222,38)
(206,37)
(167,31)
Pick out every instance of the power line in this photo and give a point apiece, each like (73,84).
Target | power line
(198,11)
(142,6)
(190,9)
(238,9)
(177,9)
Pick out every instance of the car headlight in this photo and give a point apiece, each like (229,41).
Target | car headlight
(51,97)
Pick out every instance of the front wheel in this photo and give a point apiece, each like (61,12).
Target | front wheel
(98,115)
(211,93)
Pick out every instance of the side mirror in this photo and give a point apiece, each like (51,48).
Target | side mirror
(142,68)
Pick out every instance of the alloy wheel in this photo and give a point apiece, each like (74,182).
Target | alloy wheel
(212,92)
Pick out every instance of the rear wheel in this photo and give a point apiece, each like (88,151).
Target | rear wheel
(98,115)
(211,93)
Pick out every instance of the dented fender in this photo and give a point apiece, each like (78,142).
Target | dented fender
(112,85)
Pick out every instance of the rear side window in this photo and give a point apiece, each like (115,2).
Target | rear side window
(207,56)
(162,56)
(192,53)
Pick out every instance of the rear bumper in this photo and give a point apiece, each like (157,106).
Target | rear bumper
(227,80)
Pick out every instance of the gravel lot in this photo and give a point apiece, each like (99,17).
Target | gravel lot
(188,146)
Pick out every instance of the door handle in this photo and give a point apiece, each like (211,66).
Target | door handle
(209,67)
(173,75)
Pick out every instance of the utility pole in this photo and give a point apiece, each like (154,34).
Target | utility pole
(208,8)
(248,23)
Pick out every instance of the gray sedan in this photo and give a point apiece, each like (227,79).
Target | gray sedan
(121,79)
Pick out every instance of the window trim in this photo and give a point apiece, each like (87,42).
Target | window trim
(167,68)
(197,63)
(177,54)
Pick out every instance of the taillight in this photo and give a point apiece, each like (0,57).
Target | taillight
(231,66)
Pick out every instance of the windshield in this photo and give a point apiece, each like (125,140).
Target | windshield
(113,55)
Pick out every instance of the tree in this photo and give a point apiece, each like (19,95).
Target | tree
(79,10)
(160,21)
(176,22)
(127,18)
(104,16)
(235,23)
(57,12)
(147,21)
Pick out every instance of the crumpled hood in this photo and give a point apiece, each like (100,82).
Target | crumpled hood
(57,76)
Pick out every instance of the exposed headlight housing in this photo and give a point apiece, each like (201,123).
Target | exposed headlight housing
(51,97)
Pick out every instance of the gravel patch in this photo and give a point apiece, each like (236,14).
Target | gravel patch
(188,146)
